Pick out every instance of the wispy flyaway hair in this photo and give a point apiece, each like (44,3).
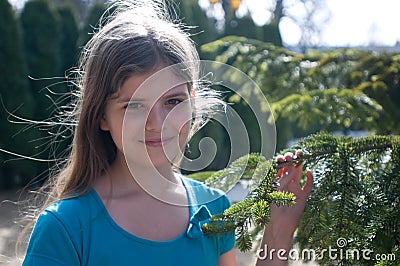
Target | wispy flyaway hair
(133,37)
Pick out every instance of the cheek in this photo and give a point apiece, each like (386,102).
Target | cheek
(184,135)
(133,122)
(182,120)
(178,123)
(126,128)
(185,129)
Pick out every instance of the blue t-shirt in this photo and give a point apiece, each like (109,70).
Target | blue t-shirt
(79,231)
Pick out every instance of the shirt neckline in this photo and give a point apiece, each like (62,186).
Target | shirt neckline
(191,203)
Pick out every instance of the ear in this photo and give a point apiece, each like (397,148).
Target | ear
(193,106)
(104,124)
(192,97)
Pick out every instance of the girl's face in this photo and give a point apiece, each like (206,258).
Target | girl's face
(149,119)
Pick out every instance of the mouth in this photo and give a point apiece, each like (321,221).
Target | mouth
(156,142)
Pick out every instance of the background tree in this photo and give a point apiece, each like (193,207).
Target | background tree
(311,24)
(41,34)
(318,90)
(308,15)
(16,99)
(354,206)
(90,24)
(69,51)
(314,15)
(80,6)
(69,37)
(353,78)
(271,32)
(201,26)
(42,38)
(244,26)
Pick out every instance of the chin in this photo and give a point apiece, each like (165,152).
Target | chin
(160,161)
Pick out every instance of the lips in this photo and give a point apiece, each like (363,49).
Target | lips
(157,142)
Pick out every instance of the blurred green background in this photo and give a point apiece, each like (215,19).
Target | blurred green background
(309,88)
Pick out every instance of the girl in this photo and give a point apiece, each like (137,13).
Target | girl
(119,200)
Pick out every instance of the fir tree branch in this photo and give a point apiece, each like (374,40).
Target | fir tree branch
(347,190)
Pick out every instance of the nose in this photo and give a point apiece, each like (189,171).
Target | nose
(155,119)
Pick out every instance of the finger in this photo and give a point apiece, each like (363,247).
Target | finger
(279,174)
(298,172)
(287,177)
(309,182)
(279,159)
(288,156)
(298,153)
(298,156)
(290,174)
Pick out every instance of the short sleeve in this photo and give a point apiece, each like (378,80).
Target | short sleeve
(227,240)
(50,243)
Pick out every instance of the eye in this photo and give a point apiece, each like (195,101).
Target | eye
(133,105)
(174,101)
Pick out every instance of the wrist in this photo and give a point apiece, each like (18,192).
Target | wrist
(277,240)
(278,233)
(275,246)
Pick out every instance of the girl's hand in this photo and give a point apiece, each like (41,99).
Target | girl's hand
(284,220)
(289,177)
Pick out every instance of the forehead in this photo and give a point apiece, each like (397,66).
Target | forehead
(152,85)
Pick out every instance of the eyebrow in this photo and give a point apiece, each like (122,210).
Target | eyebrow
(172,95)
(119,100)
(176,94)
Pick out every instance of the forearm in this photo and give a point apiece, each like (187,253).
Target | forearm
(275,246)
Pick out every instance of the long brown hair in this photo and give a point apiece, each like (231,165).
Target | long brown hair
(135,38)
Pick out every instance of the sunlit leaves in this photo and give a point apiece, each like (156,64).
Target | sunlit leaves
(326,90)
(356,196)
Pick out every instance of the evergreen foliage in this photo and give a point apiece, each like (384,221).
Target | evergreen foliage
(12,67)
(41,35)
(356,196)
(319,90)
(15,98)
(253,210)
(201,26)
(271,34)
(242,27)
(245,26)
(215,131)
(69,37)
(91,22)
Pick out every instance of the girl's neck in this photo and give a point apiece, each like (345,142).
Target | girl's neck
(140,180)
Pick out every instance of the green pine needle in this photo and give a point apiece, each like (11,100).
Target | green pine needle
(356,194)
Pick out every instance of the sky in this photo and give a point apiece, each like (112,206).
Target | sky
(360,22)
(351,22)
